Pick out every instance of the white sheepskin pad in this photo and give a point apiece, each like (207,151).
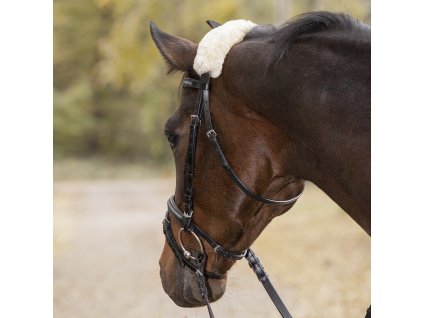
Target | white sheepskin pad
(214,46)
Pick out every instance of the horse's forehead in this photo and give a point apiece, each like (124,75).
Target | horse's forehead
(216,44)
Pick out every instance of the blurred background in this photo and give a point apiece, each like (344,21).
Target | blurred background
(113,172)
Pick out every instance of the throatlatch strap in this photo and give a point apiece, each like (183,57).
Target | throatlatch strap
(212,136)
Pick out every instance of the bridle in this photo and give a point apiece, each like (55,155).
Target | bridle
(196,260)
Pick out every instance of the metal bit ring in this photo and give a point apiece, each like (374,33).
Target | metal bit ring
(187,254)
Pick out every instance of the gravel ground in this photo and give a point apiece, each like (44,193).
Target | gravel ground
(108,240)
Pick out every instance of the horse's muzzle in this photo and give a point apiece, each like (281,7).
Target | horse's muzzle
(182,285)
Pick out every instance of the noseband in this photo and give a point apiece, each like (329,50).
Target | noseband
(195,261)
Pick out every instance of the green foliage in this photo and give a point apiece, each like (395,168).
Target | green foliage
(73,122)
(111,93)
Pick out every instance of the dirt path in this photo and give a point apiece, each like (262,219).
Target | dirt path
(108,240)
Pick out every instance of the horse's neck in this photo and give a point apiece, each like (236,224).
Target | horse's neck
(323,101)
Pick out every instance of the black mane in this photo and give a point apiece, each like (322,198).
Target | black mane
(308,23)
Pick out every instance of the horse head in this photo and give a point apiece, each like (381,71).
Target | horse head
(259,152)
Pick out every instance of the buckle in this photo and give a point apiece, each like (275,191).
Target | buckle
(211,134)
(195,121)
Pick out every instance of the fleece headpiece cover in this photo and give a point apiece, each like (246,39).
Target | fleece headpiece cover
(214,46)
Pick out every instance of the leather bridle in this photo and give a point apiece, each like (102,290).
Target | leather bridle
(196,260)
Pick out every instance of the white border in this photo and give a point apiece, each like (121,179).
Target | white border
(397,120)
(26,288)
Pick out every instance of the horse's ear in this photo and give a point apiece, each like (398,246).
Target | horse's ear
(178,53)
(213,24)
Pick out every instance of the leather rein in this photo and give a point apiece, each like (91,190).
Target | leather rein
(196,260)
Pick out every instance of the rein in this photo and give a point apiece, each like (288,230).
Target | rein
(195,261)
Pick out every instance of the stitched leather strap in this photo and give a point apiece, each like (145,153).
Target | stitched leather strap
(258,269)
(183,221)
(189,165)
(212,136)
(170,239)
(203,287)
(252,259)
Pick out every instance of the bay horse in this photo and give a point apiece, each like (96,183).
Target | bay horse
(291,104)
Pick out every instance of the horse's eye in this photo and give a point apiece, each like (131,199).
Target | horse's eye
(172,139)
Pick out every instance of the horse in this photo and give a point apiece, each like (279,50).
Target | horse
(292,103)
